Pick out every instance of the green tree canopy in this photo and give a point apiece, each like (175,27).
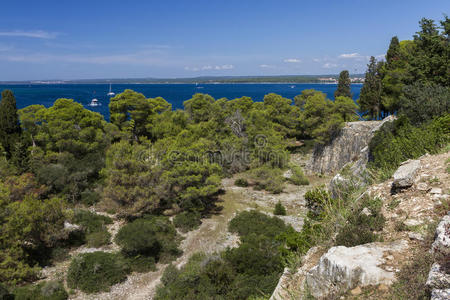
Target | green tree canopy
(343,87)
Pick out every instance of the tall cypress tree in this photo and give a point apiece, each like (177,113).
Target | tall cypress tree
(393,53)
(9,122)
(343,88)
(370,97)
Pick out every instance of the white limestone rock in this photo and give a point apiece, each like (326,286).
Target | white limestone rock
(441,245)
(438,278)
(405,174)
(443,294)
(343,268)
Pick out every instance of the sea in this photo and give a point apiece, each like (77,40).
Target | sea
(176,94)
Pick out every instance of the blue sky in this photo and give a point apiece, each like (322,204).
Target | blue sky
(128,39)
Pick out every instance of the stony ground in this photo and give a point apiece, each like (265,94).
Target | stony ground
(409,214)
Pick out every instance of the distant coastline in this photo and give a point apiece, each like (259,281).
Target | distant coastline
(288,79)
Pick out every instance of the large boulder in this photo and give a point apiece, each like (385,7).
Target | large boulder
(351,144)
(343,268)
(405,174)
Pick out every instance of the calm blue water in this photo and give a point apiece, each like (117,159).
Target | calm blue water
(175,94)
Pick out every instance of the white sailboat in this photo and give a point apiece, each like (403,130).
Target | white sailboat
(111,93)
(94,102)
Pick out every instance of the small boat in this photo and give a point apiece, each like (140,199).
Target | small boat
(111,93)
(94,102)
(292,86)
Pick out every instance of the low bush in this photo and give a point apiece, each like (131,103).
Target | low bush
(361,224)
(150,237)
(89,197)
(187,221)
(94,227)
(242,182)
(279,209)
(50,290)
(97,271)
(316,200)
(98,238)
(256,223)
(5,294)
(267,178)
(298,176)
(399,141)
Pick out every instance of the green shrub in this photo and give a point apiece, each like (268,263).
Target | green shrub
(141,263)
(5,294)
(98,238)
(94,227)
(298,176)
(399,141)
(242,182)
(360,227)
(151,237)
(50,290)
(187,221)
(279,210)
(252,269)
(89,197)
(97,271)
(256,223)
(316,200)
(267,178)
(421,102)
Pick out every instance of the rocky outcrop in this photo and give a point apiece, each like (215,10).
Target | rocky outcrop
(439,277)
(343,268)
(405,174)
(350,145)
(441,245)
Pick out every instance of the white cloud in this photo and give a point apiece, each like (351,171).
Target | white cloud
(380,57)
(292,60)
(329,65)
(264,66)
(209,67)
(227,67)
(317,60)
(350,55)
(38,34)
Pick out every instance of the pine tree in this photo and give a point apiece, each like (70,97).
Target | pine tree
(393,53)
(343,88)
(370,97)
(9,121)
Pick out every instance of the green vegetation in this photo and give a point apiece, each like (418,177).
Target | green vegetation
(279,209)
(398,141)
(150,237)
(267,178)
(365,218)
(415,72)
(97,271)
(94,227)
(187,221)
(252,269)
(298,176)
(242,182)
(343,88)
(50,290)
